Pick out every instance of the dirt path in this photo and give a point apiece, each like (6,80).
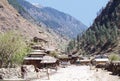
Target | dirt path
(80,73)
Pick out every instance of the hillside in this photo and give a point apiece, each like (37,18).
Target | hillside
(108,25)
(59,22)
(22,11)
(104,34)
(10,19)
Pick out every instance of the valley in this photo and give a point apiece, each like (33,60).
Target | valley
(39,43)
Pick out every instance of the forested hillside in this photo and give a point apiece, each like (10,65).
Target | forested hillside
(103,35)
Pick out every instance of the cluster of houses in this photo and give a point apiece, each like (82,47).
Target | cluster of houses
(41,58)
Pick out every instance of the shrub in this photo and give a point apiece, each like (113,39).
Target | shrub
(114,57)
(54,54)
(12,49)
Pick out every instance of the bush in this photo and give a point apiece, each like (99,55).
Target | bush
(114,57)
(12,49)
(54,54)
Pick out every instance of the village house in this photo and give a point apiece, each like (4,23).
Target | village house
(74,58)
(100,60)
(34,58)
(40,58)
(64,60)
(49,62)
(38,39)
(37,47)
(41,41)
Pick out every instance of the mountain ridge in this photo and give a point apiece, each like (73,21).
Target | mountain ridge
(54,19)
(108,24)
(11,20)
(103,36)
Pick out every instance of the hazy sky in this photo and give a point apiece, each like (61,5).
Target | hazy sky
(83,10)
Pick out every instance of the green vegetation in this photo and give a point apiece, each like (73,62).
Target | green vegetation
(54,54)
(12,49)
(100,39)
(103,35)
(71,45)
(114,57)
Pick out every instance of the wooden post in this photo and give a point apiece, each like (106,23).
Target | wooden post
(48,74)
(90,66)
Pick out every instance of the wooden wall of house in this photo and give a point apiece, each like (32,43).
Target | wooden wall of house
(36,63)
(73,60)
(49,65)
(64,59)
(0,63)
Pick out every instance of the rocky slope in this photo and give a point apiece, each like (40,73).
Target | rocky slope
(59,22)
(10,19)
(104,34)
(108,34)
(109,19)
